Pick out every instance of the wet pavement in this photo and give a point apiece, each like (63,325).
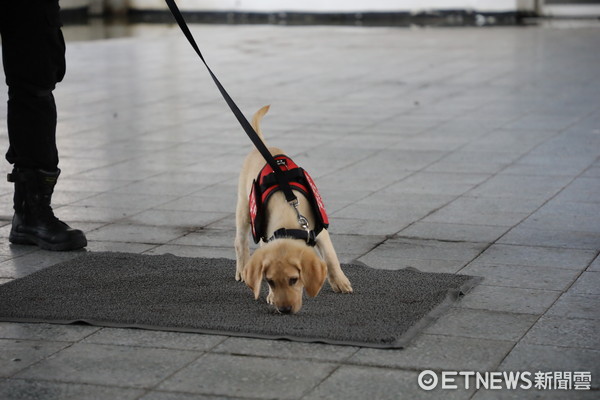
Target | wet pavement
(459,150)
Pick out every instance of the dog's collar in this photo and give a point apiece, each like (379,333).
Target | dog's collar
(308,236)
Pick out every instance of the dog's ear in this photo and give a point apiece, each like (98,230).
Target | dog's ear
(254,272)
(313,273)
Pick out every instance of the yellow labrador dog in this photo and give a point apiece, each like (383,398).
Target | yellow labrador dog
(289,264)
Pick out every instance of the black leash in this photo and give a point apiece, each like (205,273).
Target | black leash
(258,143)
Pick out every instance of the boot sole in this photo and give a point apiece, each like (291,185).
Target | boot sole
(21,238)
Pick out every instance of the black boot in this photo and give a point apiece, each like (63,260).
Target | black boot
(34,221)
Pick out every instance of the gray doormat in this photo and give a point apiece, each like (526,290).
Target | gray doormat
(172,293)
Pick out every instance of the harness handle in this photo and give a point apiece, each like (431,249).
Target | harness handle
(258,143)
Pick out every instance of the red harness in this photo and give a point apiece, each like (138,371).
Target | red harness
(265,185)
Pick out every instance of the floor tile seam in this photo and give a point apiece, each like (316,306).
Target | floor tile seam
(475,264)
(67,343)
(456,306)
(572,347)
(151,387)
(343,360)
(156,247)
(110,164)
(153,246)
(143,347)
(538,290)
(195,393)
(590,202)
(127,160)
(369,153)
(223,353)
(420,239)
(375,364)
(467,308)
(521,339)
(568,318)
(443,156)
(35,380)
(514,342)
(405,113)
(315,387)
(546,247)
(535,175)
(516,197)
(74,382)
(543,204)
(48,356)
(208,187)
(574,281)
(525,218)
(128,219)
(203,354)
(33,250)
(458,149)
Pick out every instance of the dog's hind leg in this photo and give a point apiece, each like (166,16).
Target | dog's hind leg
(242,230)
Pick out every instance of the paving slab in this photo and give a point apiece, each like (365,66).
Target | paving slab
(595,265)
(574,305)
(514,300)
(454,232)
(285,349)
(566,332)
(110,365)
(17,355)
(519,276)
(352,382)
(539,236)
(530,256)
(51,332)
(154,339)
(482,324)
(486,166)
(157,395)
(236,376)
(587,283)
(439,352)
(548,358)
(20,389)
(501,212)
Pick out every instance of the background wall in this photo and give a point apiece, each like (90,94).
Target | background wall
(542,7)
(339,5)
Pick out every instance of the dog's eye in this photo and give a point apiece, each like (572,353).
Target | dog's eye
(293,281)
(271,283)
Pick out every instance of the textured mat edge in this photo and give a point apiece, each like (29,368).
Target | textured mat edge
(451,297)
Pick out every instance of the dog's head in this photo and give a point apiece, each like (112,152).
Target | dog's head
(288,266)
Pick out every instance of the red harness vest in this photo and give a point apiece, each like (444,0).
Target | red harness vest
(265,185)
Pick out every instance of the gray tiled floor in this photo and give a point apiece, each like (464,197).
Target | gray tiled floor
(452,150)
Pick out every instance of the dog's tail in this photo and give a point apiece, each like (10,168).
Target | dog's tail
(256,120)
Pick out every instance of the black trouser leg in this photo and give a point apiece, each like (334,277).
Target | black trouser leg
(33,55)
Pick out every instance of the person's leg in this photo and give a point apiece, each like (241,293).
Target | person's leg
(33,55)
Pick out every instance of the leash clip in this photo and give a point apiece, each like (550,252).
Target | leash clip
(301,218)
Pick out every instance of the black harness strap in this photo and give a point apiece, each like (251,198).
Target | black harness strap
(258,143)
(308,236)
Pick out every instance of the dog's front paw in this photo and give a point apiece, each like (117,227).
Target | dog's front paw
(271,298)
(238,276)
(340,284)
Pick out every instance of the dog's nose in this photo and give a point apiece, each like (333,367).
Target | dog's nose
(285,310)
